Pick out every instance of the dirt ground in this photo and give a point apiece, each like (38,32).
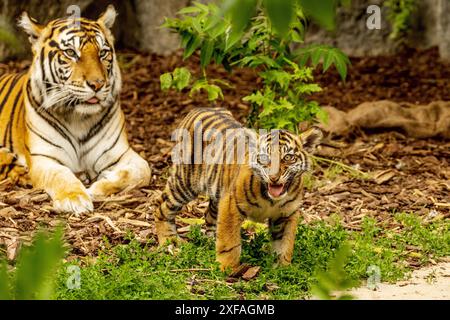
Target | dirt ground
(431,283)
(407,175)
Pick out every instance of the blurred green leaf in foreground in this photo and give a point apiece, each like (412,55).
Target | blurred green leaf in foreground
(335,279)
(36,269)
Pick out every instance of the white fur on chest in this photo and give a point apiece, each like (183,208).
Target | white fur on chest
(69,146)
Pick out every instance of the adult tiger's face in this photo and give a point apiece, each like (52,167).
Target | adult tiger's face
(283,157)
(74,66)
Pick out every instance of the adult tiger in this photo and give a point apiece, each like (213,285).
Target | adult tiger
(259,179)
(63,116)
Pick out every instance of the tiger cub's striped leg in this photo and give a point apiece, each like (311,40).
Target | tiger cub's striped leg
(67,192)
(283,232)
(228,237)
(169,204)
(211,218)
(130,171)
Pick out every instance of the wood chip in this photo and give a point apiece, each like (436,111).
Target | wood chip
(240,270)
(382,176)
(12,248)
(251,273)
(138,223)
(108,221)
(441,204)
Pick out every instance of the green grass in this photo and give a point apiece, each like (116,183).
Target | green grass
(136,271)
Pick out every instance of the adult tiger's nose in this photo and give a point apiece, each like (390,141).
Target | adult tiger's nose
(96,84)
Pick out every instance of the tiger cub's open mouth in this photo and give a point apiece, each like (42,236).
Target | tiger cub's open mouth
(276,190)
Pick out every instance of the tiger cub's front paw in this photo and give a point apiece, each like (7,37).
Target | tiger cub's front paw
(229,259)
(76,202)
(166,232)
(282,261)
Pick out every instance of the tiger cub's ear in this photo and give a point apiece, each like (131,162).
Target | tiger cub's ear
(108,17)
(30,26)
(311,139)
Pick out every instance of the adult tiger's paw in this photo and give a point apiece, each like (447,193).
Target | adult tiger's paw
(76,202)
(103,188)
(19,175)
(111,182)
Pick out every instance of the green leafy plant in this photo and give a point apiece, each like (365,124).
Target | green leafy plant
(259,35)
(399,15)
(335,278)
(35,270)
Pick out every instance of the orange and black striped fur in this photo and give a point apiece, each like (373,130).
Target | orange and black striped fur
(63,117)
(263,185)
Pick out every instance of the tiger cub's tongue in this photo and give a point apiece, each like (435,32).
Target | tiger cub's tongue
(276,190)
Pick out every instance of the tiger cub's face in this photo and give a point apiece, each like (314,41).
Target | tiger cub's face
(74,67)
(283,157)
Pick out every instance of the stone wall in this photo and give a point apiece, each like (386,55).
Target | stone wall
(351,33)
(443,29)
(138,25)
(431,27)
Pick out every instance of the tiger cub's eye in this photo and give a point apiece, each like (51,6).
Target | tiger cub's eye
(289,158)
(70,53)
(263,159)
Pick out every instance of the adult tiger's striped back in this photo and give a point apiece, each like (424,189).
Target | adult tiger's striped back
(266,185)
(63,116)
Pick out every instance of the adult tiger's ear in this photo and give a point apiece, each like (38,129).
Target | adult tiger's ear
(108,17)
(30,26)
(311,138)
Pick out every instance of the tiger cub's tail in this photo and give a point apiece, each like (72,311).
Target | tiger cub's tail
(10,168)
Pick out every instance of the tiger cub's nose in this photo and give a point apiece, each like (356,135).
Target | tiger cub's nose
(274,178)
(96,84)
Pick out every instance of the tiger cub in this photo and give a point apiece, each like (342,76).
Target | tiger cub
(63,117)
(260,179)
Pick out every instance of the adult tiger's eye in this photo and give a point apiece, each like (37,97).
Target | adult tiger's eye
(70,53)
(263,159)
(289,158)
(103,53)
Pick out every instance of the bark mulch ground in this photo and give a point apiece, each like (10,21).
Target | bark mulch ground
(412,76)
(405,174)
